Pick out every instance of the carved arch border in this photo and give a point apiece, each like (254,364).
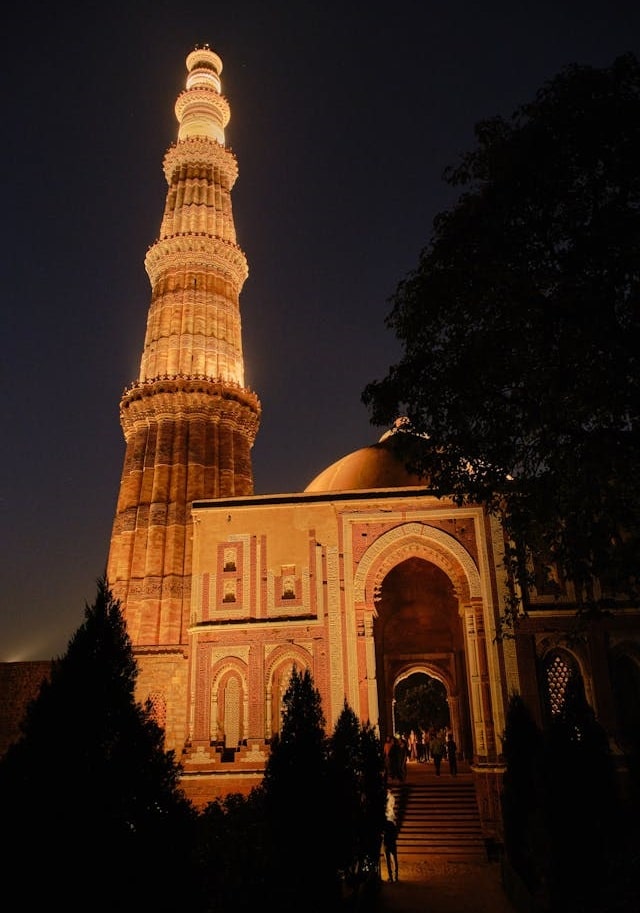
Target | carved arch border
(411,540)
(223,669)
(424,667)
(289,655)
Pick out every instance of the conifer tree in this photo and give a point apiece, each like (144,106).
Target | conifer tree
(88,792)
(358,792)
(234,853)
(374,792)
(298,802)
(345,766)
(584,838)
(523,796)
(561,813)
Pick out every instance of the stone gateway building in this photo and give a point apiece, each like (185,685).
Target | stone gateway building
(364,586)
(365,578)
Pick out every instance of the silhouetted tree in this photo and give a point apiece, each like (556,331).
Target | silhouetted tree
(521,327)
(524,797)
(88,794)
(345,778)
(298,802)
(583,811)
(564,834)
(356,770)
(316,816)
(374,794)
(234,853)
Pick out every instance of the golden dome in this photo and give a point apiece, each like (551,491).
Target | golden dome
(375,466)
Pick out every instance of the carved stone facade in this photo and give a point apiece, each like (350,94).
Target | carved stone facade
(362,588)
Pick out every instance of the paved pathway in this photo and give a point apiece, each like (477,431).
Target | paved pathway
(442,887)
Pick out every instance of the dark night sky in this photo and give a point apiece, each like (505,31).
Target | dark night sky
(343,118)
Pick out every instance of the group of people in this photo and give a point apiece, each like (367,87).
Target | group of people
(423,747)
(436,744)
(441,746)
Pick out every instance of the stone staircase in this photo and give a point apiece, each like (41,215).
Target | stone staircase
(438,816)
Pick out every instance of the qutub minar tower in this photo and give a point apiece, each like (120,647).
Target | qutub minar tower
(189,422)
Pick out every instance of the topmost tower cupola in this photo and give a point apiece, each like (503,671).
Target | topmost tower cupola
(201,109)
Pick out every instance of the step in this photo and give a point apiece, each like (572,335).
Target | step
(439,818)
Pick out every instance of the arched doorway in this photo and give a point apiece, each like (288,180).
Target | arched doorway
(420,703)
(418,632)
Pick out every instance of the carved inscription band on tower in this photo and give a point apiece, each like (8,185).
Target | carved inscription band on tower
(189,422)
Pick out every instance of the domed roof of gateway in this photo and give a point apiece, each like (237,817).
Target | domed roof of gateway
(375,466)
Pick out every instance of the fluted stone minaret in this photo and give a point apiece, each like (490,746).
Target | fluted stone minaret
(189,422)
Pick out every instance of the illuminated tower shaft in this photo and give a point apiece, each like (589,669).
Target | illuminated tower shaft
(189,422)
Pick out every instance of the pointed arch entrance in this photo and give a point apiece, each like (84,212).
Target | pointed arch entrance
(420,702)
(422,585)
(418,629)
(424,599)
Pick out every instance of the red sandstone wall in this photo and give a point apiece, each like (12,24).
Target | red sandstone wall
(19,684)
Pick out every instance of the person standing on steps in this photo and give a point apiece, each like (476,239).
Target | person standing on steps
(426,756)
(396,760)
(386,749)
(412,746)
(452,754)
(390,837)
(437,749)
